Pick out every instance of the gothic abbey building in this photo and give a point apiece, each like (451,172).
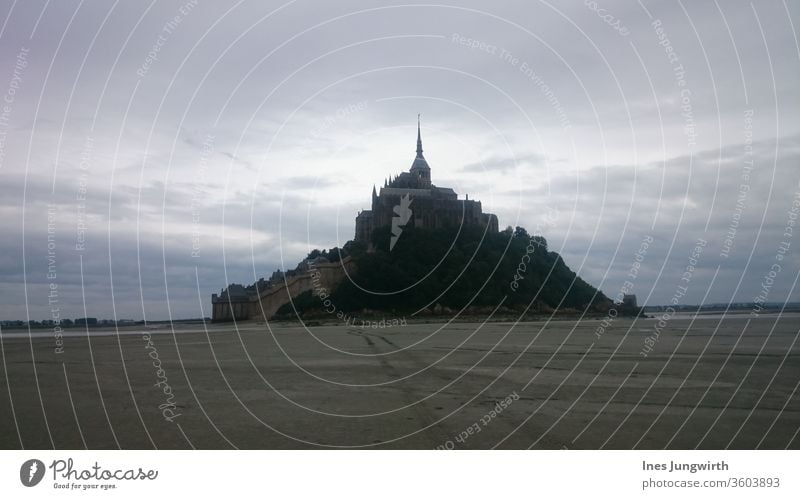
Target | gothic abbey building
(416,202)
(409,200)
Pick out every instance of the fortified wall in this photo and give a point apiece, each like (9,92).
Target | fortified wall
(266,303)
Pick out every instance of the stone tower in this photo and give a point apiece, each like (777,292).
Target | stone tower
(420,167)
(431,207)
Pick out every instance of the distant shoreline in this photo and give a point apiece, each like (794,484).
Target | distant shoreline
(179,327)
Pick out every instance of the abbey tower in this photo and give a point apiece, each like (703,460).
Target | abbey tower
(430,206)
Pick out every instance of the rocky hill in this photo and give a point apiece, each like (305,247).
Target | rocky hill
(430,271)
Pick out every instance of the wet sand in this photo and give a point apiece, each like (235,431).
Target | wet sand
(710,384)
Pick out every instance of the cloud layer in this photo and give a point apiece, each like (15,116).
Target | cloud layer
(150,154)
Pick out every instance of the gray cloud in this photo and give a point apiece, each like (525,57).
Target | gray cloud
(503,164)
(306,105)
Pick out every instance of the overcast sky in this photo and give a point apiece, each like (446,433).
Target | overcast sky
(173,147)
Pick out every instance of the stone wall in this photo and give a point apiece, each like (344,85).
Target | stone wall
(264,306)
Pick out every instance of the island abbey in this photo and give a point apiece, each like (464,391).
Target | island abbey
(413,201)
(408,200)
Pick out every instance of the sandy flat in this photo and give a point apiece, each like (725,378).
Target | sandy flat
(710,383)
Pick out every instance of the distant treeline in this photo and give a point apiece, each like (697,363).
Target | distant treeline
(454,268)
(93,323)
(723,307)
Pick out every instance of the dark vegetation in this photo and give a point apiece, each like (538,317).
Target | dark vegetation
(448,268)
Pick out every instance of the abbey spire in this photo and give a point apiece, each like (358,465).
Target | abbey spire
(419,139)
(420,167)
